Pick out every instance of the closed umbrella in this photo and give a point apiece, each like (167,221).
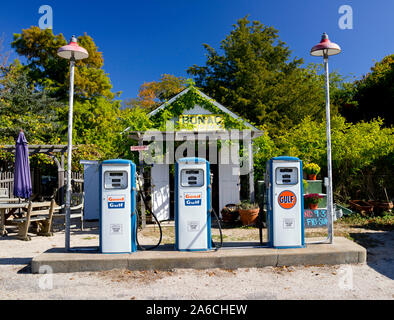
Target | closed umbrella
(22,179)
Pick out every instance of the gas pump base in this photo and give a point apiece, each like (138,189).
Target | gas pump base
(342,251)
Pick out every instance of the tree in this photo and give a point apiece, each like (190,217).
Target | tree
(372,96)
(22,106)
(51,72)
(96,122)
(256,78)
(152,94)
(362,154)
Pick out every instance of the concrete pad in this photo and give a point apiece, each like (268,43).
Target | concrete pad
(242,255)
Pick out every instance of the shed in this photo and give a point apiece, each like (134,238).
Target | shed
(199,126)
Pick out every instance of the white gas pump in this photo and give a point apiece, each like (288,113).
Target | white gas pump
(192,205)
(285,203)
(117,206)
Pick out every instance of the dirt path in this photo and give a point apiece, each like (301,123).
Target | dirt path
(373,280)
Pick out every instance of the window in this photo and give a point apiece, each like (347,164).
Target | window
(286,175)
(192,177)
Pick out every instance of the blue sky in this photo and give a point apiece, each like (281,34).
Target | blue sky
(141,40)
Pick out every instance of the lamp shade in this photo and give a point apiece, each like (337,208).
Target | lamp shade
(72,51)
(325,47)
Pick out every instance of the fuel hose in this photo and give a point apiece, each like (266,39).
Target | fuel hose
(154,216)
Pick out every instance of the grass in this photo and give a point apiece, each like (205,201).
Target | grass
(89,238)
(385,222)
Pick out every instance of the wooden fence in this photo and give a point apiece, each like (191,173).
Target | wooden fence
(7,181)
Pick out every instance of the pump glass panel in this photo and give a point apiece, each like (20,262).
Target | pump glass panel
(286,175)
(192,177)
(115,179)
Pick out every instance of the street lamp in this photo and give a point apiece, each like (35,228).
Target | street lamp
(324,49)
(72,52)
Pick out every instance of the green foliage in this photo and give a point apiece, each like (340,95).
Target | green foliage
(47,69)
(256,78)
(247,205)
(264,148)
(152,94)
(384,222)
(85,152)
(186,102)
(361,153)
(22,106)
(372,96)
(135,119)
(30,96)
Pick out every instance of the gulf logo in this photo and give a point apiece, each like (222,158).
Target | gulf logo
(287,199)
(116,198)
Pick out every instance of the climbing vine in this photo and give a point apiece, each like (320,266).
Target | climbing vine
(187,101)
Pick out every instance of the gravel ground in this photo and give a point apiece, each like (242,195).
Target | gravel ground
(373,280)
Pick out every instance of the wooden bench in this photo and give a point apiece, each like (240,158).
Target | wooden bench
(40,214)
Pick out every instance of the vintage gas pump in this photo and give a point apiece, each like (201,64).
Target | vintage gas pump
(285,203)
(192,205)
(117,206)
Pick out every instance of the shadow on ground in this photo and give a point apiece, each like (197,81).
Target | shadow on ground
(380,250)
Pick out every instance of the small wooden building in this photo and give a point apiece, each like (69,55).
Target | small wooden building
(196,125)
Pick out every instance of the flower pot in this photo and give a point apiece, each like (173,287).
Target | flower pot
(249,216)
(230,213)
(311,176)
(313,206)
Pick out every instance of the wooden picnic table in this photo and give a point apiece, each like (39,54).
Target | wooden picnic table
(39,213)
(8,205)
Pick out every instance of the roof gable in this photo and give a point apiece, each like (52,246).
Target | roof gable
(208,99)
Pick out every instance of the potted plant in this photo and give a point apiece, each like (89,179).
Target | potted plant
(311,170)
(248,212)
(311,200)
(230,212)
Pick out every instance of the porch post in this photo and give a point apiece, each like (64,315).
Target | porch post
(251,174)
(141,160)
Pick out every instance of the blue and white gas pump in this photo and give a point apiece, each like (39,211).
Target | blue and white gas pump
(192,205)
(117,206)
(285,203)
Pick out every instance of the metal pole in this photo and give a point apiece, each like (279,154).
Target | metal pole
(330,207)
(69,154)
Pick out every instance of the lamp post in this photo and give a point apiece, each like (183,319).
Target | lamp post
(72,52)
(324,49)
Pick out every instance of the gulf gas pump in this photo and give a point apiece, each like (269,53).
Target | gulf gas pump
(117,206)
(192,205)
(285,203)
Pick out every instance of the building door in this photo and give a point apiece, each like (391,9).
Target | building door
(160,178)
(229,182)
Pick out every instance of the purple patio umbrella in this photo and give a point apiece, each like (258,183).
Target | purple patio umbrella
(22,179)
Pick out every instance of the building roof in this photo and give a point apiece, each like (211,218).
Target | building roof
(215,103)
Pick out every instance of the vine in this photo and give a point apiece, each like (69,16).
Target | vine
(187,102)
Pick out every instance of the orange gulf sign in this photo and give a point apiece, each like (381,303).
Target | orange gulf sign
(287,199)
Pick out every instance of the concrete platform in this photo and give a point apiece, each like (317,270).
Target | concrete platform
(342,251)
